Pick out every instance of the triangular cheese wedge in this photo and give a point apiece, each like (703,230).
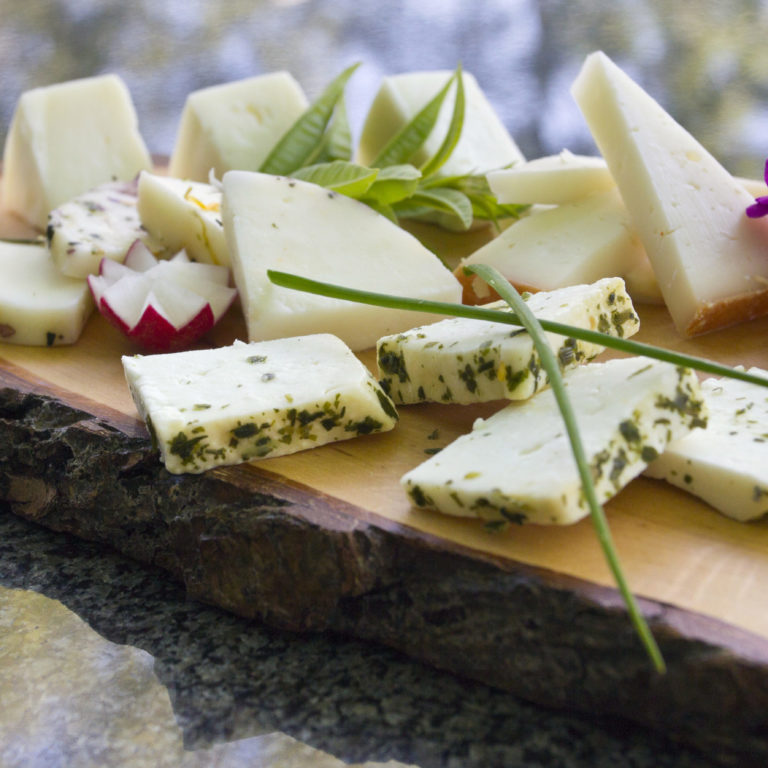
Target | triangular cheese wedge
(711,261)
(273,222)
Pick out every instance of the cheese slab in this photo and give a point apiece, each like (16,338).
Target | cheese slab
(517,465)
(458,360)
(570,244)
(485,143)
(99,224)
(38,305)
(725,464)
(234,125)
(183,214)
(279,223)
(214,407)
(66,139)
(710,260)
(551,180)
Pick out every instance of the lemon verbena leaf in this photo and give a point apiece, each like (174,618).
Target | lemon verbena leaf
(453,134)
(339,175)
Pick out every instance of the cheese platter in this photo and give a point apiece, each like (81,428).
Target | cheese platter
(327,539)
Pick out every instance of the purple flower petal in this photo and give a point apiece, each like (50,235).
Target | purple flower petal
(765,173)
(758,208)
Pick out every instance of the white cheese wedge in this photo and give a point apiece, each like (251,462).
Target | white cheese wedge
(293,226)
(571,244)
(459,360)
(725,464)
(711,261)
(214,407)
(66,139)
(234,125)
(551,180)
(38,305)
(99,224)
(184,215)
(485,143)
(517,465)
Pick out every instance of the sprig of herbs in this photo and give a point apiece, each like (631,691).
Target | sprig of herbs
(520,316)
(318,148)
(597,514)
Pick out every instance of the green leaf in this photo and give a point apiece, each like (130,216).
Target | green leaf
(394,183)
(550,364)
(444,200)
(406,142)
(453,134)
(305,137)
(337,141)
(347,178)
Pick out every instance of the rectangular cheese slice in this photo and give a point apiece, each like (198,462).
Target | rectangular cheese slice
(102,223)
(38,305)
(485,143)
(234,125)
(517,465)
(68,138)
(725,464)
(710,260)
(183,214)
(570,244)
(213,407)
(273,222)
(551,180)
(459,360)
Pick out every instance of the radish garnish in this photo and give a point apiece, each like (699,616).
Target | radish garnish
(163,306)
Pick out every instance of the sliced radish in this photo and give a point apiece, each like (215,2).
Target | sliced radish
(163,306)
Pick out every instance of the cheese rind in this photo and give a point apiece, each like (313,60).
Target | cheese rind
(99,224)
(279,223)
(571,244)
(234,125)
(38,305)
(208,408)
(458,360)
(711,261)
(517,466)
(725,464)
(183,214)
(485,144)
(551,180)
(66,139)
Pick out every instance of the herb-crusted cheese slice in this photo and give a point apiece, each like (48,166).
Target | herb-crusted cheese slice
(726,464)
(184,215)
(551,180)
(458,360)
(517,466)
(711,261)
(38,305)
(207,408)
(99,224)
(234,125)
(68,138)
(272,222)
(571,244)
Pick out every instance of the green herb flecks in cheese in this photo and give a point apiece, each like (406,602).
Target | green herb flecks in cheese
(517,466)
(726,464)
(222,406)
(185,215)
(99,224)
(38,305)
(466,361)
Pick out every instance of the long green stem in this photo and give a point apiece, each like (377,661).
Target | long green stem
(295,282)
(597,514)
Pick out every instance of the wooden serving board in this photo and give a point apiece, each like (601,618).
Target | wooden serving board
(325,539)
